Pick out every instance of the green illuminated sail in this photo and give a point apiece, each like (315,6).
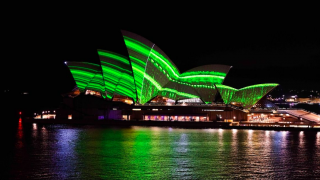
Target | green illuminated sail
(87,76)
(97,84)
(247,96)
(148,72)
(117,74)
(154,72)
(226,92)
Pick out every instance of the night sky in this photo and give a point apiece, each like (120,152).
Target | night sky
(264,52)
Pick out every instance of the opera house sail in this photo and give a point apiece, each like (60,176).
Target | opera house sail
(247,96)
(87,76)
(117,74)
(156,74)
(147,72)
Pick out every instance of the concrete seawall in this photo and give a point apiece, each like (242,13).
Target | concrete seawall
(174,124)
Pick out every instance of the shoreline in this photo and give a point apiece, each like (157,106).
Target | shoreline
(172,124)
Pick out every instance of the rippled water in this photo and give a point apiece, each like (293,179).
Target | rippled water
(93,152)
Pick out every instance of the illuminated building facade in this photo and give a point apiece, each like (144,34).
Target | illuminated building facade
(148,73)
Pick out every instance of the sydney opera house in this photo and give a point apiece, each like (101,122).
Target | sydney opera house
(147,85)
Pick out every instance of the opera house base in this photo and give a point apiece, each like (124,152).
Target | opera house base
(91,110)
(86,107)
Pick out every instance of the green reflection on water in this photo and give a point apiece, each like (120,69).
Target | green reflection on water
(165,153)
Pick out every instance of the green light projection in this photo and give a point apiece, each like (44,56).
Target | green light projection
(87,76)
(97,84)
(247,96)
(226,92)
(148,72)
(153,71)
(177,91)
(117,74)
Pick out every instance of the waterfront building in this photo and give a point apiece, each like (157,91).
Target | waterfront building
(147,85)
(149,73)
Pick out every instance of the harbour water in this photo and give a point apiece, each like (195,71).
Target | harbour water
(53,151)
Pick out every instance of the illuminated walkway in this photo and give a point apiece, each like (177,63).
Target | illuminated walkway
(305,115)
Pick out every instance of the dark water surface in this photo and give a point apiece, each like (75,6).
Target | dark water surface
(40,151)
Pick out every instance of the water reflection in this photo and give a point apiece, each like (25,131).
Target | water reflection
(318,139)
(89,152)
(234,142)
(34,125)
(66,159)
(19,143)
(220,139)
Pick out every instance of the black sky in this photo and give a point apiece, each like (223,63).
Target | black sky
(284,52)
